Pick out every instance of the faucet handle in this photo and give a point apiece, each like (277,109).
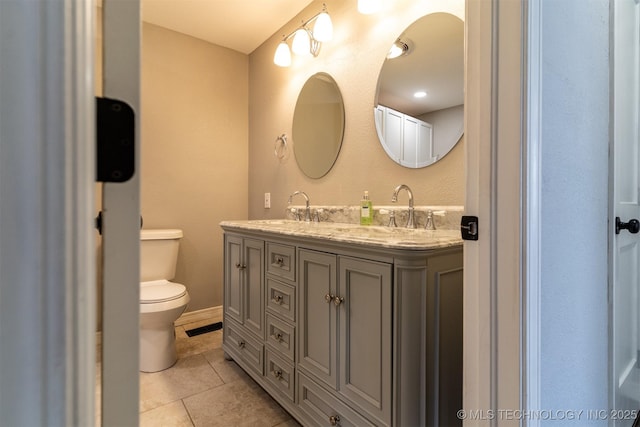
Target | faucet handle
(392,219)
(295,213)
(430,225)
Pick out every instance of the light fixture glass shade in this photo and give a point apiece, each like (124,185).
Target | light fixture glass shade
(282,57)
(398,49)
(301,44)
(368,7)
(323,28)
(394,52)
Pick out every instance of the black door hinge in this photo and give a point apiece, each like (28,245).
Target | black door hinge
(115,149)
(469,227)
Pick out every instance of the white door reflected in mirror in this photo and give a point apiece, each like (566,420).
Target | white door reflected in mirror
(419,108)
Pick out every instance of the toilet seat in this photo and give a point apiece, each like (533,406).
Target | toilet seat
(162,296)
(158,291)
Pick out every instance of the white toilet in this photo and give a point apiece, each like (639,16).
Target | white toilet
(161,301)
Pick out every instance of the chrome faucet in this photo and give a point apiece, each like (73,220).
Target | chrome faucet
(394,199)
(307,211)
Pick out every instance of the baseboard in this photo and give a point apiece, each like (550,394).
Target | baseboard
(213,314)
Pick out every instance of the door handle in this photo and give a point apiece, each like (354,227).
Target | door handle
(633,226)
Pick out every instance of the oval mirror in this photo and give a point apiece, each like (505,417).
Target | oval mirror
(318,125)
(419,107)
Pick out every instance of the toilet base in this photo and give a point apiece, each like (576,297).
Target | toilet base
(157,349)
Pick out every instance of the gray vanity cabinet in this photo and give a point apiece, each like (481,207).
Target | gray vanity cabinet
(345,330)
(244,317)
(281,303)
(318,340)
(346,334)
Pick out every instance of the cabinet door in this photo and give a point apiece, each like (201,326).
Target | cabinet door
(253,298)
(425,145)
(317,346)
(364,319)
(410,137)
(233,307)
(393,127)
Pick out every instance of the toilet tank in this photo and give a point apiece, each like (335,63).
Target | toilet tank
(158,254)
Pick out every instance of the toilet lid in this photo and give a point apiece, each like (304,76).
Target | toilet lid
(160,291)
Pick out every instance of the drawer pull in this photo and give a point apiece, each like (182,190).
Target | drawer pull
(334,420)
(278,374)
(278,336)
(279,261)
(241,344)
(240,266)
(278,299)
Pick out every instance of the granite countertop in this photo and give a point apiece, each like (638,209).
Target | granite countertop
(376,236)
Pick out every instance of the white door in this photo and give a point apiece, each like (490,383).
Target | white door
(121,227)
(625,291)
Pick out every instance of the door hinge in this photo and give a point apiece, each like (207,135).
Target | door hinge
(115,145)
(469,227)
(98,222)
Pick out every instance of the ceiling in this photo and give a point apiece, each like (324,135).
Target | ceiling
(241,25)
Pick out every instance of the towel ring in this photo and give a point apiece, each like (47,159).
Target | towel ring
(281,146)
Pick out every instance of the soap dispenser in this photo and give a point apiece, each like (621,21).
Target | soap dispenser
(366,210)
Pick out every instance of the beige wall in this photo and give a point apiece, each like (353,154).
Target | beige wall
(194,161)
(194,150)
(354,58)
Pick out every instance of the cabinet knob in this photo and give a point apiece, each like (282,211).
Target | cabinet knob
(278,299)
(334,420)
(241,344)
(328,297)
(277,373)
(240,266)
(279,261)
(337,300)
(278,336)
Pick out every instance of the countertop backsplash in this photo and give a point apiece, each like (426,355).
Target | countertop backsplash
(444,217)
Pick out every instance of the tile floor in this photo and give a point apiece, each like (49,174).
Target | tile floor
(202,389)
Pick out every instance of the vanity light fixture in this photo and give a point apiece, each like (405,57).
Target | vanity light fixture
(398,49)
(305,41)
(367,7)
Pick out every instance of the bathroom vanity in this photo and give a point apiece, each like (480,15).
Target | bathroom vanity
(344,324)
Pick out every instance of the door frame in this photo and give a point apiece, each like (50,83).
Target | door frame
(506,296)
(493,265)
(47,181)
(121,226)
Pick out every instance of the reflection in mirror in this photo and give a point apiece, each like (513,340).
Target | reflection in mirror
(318,125)
(419,112)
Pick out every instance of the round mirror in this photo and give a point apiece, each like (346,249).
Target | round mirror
(419,108)
(318,125)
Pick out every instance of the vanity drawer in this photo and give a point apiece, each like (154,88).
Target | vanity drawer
(240,343)
(280,374)
(281,260)
(281,299)
(281,336)
(321,408)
